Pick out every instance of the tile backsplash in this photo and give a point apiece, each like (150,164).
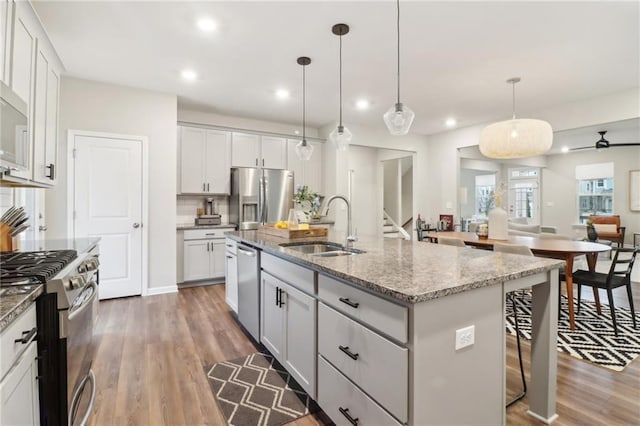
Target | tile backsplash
(186,206)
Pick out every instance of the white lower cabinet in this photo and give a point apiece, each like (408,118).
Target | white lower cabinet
(19,397)
(204,259)
(345,403)
(231,275)
(288,329)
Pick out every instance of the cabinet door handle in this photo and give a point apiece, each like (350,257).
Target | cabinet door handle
(229,257)
(281,293)
(27,336)
(256,161)
(207,187)
(52,171)
(263,162)
(349,302)
(350,354)
(345,412)
(278,296)
(204,186)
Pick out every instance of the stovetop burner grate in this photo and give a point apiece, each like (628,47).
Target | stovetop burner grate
(34,267)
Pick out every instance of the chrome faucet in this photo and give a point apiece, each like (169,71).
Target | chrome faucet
(325,211)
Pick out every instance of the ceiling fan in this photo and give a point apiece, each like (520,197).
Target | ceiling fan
(602,143)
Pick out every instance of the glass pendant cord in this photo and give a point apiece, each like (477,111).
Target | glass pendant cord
(398,47)
(304,104)
(513,82)
(340,71)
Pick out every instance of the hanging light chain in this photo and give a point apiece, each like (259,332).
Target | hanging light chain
(304,105)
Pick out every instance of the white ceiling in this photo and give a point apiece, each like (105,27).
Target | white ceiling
(455,55)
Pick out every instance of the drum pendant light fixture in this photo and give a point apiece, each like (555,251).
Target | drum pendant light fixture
(516,138)
(303,149)
(399,117)
(341,136)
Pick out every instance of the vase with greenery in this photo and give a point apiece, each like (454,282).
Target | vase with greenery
(307,200)
(592,235)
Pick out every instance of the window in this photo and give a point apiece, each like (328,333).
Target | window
(485,188)
(595,197)
(594,190)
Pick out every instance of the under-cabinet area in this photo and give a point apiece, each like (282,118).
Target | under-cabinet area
(202,254)
(371,349)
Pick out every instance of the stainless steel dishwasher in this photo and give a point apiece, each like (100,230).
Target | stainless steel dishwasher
(249,289)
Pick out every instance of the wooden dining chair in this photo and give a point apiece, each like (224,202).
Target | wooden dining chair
(449,241)
(512,297)
(619,275)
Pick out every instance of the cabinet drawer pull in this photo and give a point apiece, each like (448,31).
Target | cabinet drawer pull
(204,187)
(349,302)
(208,187)
(52,171)
(350,354)
(27,336)
(213,234)
(345,412)
(229,257)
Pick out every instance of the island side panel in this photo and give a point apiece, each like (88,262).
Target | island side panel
(544,352)
(458,387)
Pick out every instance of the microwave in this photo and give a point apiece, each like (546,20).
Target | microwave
(14,130)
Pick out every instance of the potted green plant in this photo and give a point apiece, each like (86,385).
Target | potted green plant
(592,235)
(306,200)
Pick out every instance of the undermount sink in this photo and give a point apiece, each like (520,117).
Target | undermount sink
(321,249)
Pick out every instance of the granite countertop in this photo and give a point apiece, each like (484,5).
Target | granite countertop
(409,271)
(183,226)
(81,245)
(16,300)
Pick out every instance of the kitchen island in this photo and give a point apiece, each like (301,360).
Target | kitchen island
(407,332)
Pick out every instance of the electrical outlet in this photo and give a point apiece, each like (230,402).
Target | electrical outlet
(465,337)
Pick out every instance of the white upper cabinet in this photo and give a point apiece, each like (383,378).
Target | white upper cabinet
(45,117)
(245,150)
(6,7)
(31,67)
(250,150)
(307,172)
(274,153)
(204,161)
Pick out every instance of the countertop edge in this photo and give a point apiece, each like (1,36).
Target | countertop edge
(399,296)
(21,306)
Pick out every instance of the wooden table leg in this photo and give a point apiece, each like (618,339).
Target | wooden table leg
(569,280)
(591,262)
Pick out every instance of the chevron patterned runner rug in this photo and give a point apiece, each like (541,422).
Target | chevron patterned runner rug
(257,390)
(593,339)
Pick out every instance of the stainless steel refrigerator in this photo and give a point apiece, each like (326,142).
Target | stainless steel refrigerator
(259,196)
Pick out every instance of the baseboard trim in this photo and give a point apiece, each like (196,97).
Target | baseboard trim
(542,419)
(154,291)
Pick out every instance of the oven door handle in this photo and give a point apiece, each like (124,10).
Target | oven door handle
(87,303)
(76,399)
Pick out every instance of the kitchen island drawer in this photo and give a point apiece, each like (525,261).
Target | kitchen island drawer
(381,314)
(231,246)
(297,276)
(21,330)
(374,363)
(344,402)
(203,234)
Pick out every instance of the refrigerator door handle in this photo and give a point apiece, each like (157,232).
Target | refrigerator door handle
(260,200)
(265,204)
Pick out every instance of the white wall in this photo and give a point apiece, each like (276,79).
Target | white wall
(94,106)
(559,189)
(391,188)
(365,206)
(407,194)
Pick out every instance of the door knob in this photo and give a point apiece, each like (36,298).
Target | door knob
(136,225)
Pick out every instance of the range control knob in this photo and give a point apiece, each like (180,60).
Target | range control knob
(82,268)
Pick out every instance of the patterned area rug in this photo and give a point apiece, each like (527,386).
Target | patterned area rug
(593,339)
(257,390)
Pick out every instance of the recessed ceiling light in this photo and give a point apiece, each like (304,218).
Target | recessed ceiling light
(297,132)
(565,149)
(282,94)
(189,75)
(362,104)
(207,25)
(450,122)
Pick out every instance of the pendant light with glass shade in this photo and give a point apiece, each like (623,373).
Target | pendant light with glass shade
(516,138)
(304,150)
(399,117)
(341,136)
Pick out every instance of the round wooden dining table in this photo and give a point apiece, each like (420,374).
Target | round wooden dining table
(566,250)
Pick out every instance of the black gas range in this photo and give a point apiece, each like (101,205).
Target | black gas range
(65,319)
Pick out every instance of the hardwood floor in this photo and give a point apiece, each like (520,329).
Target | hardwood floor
(151,354)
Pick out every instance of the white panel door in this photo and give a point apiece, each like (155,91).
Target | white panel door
(274,153)
(272,324)
(245,150)
(5,35)
(51,135)
(231,282)
(19,401)
(39,119)
(218,250)
(197,260)
(108,204)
